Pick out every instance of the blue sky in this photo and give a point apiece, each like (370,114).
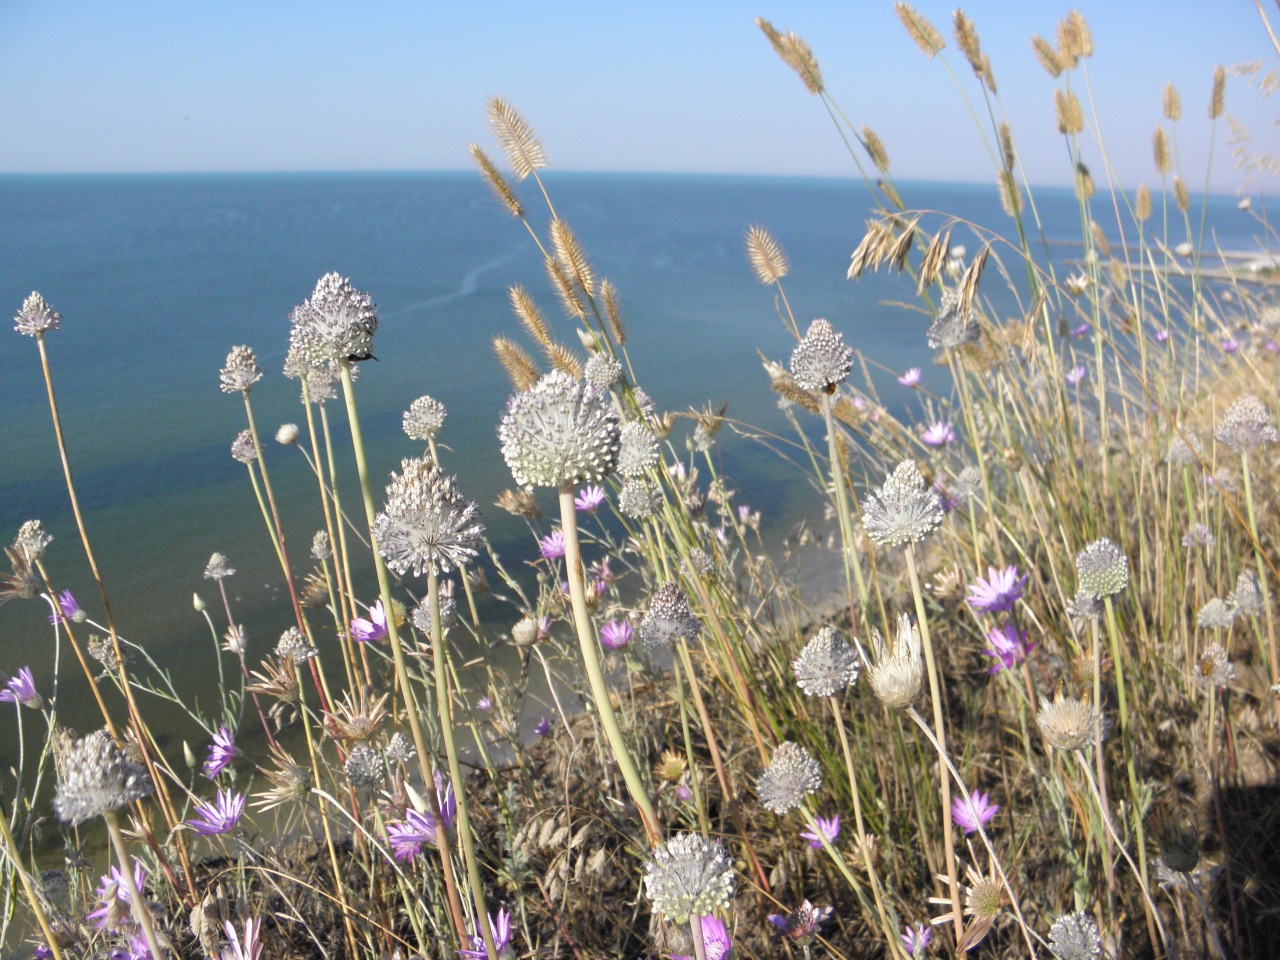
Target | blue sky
(189,85)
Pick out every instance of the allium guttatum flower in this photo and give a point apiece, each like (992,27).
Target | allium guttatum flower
(821,360)
(559,431)
(1074,936)
(36,318)
(669,618)
(241,371)
(424,418)
(790,776)
(688,874)
(336,323)
(1102,569)
(96,776)
(426,523)
(827,664)
(904,510)
(1246,425)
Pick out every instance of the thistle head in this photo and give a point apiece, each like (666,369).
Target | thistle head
(791,775)
(36,318)
(904,510)
(688,874)
(559,431)
(426,523)
(336,323)
(821,360)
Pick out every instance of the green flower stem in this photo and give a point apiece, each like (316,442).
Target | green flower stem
(695,928)
(1262,572)
(850,551)
(591,662)
(1100,759)
(397,651)
(1126,735)
(141,912)
(704,825)
(11,849)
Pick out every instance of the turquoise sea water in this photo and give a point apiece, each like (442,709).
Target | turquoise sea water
(158,276)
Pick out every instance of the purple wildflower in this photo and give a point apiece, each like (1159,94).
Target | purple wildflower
(552,545)
(715,938)
(22,689)
(543,727)
(219,816)
(801,925)
(138,949)
(407,836)
(1162,336)
(911,378)
(544,623)
(683,793)
(973,811)
(999,592)
(221,752)
(615,634)
(1272,345)
(1008,646)
(589,498)
(112,888)
(1230,345)
(484,704)
(945,499)
(247,949)
(829,828)
(500,927)
(68,608)
(939,435)
(375,628)
(1080,331)
(42,952)
(1075,375)
(916,940)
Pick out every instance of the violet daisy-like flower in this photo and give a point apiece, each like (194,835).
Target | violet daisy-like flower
(67,607)
(22,689)
(96,776)
(669,618)
(559,431)
(972,812)
(336,323)
(615,634)
(543,727)
(220,816)
(1230,345)
(915,940)
(998,592)
(1075,375)
(828,827)
(801,925)
(715,940)
(790,776)
(1008,646)
(36,318)
(241,371)
(688,874)
(426,523)
(1162,336)
(114,898)
(903,510)
(821,360)
(938,435)
(589,498)
(911,378)
(221,752)
(552,545)
(500,928)
(827,664)
(407,836)
(1246,425)
(248,948)
(374,628)
(484,704)
(424,418)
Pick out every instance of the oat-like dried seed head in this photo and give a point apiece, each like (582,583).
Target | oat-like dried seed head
(875,149)
(1219,88)
(1160,151)
(1046,55)
(497,182)
(565,360)
(966,35)
(565,288)
(523,149)
(922,33)
(1172,103)
(795,53)
(519,365)
(573,259)
(1180,195)
(767,257)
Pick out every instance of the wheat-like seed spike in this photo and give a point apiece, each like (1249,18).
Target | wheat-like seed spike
(897,254)
(1219,88)
(1047,56)
(1172,103)
(795,53)
(865,254)
(1067,109)
(787,389)
(528,314)
(1160,150)
(1142,203)
(875,149)
(921,31)
(844,411)
(967,40)
(1006,146)
(571,256)
(1180,194)
(986,75)
(968,288)
(1068,43)
(565,289)
(1083,35)
(518,364)
(767,257)
(1099,238)
(609,294)
(524,151)
(497,182)
(563,358)
(1010,194)
(934,257)
(1084,182)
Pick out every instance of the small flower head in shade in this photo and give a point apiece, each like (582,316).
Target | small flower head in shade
(589,498)
(638,498)
(1074,936)
(915,940)
(669,618)
(287,434)
(426,523)
(221,752)
(1075,375)
(293,646)
(1185,450)
(241,371)
(1246,425)
(1230,345)
(68,608)
(911,378)
(363,767)
(31,541)
(399,749)
(320,549)
(218,568)
(246,948)
(1162,336)
(938,435)
(1067,723)
(220,816)
(336,323)
(1198,535)
(821,359)
(96,776)
(1008,646)
(243,449)
(828,827)
(904,510)
(484,704)
(637,450)
(374,628)
(552,545)
(896,675)
(715,940)
(1213,670)
(998,592)
(1217,614)
(973,812)
(114,898)
(424,418)
(615,634)
(559,431)
(949,329)
(1102,569)
(602,372)
(500,928)
(827,664)
(688,874)
(22,689)
(543,727)
(1246,598)
(801,925)
(790,776)
(36,318)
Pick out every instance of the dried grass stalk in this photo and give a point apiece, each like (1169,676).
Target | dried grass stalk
(966,35)
(563,358)
(565,289)
(497,182)
(795,53)
(1067,110)
(612,314)
(1007,155)
(572,257)
(524,150)
(875,149)
(527,312)
(1172,103)
(786,388)
(767,257)
(921,31)
(1047,56)
(1219,89)
(519,365)
(969,282)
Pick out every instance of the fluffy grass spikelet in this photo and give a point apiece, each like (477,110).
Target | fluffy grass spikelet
(497,182)
(523,149)
(565,289)
(1047,56)
(1066,109)
(922,33)
(795,53)
(521,370)
(558,432)
(612,314)
(565,360)
(875,149)
(426,523)
(1171,103)
(573,259)
(688,874)
(1180,195)
(1217,95)
(1160,151)
(527,312)
(768,259)
(792,774)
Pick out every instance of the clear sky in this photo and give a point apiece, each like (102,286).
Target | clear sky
(648,85)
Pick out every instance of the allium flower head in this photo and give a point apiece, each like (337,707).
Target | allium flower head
(32,540)
(399,749)
(363,767)
(1102,569)
(320,549)
(559,431)
(669,618)
(426,523)
(949,329)
(1213,670)
(790,776)
(821,359)
(1198,535)
(36,318)
(1217,614)
(827,664)
(220,816)
(938,435)
(829,827)
(1008,646)
(241,371)
(974,811)
(998,592)
(22,689)
(243,449)
(904,510)
(221,752)
(336,323)
(638,498)
(1246,425)
(1074,936)
(1246,598)
(96,776)
(1185,450)
(1067,723)
(637,451)
(688,874)
(424,418)
(801,925)
(218,568)
(294,646)
(602,372)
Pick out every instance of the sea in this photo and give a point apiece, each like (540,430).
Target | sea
(158,276)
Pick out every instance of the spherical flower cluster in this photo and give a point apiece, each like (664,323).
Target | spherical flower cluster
(241,371)
(639,499)
(1067,723)
(424,418)
(688,874)
(602,372)
(320,549)
(827,664)
(336,323)
(669,618)
(949,329)
(790,776)
(426,523)
(1185,450)
(243,449)
(1074,936)
(1246,598)
(218,567)
(637,450)
(1102,569)
(559,431)
(1213,670)
(896,675)
(36,318)
(904,510)
(1246,425)
(32,540)
(821,359)
(96,776)
(1217,614)
(363,767)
